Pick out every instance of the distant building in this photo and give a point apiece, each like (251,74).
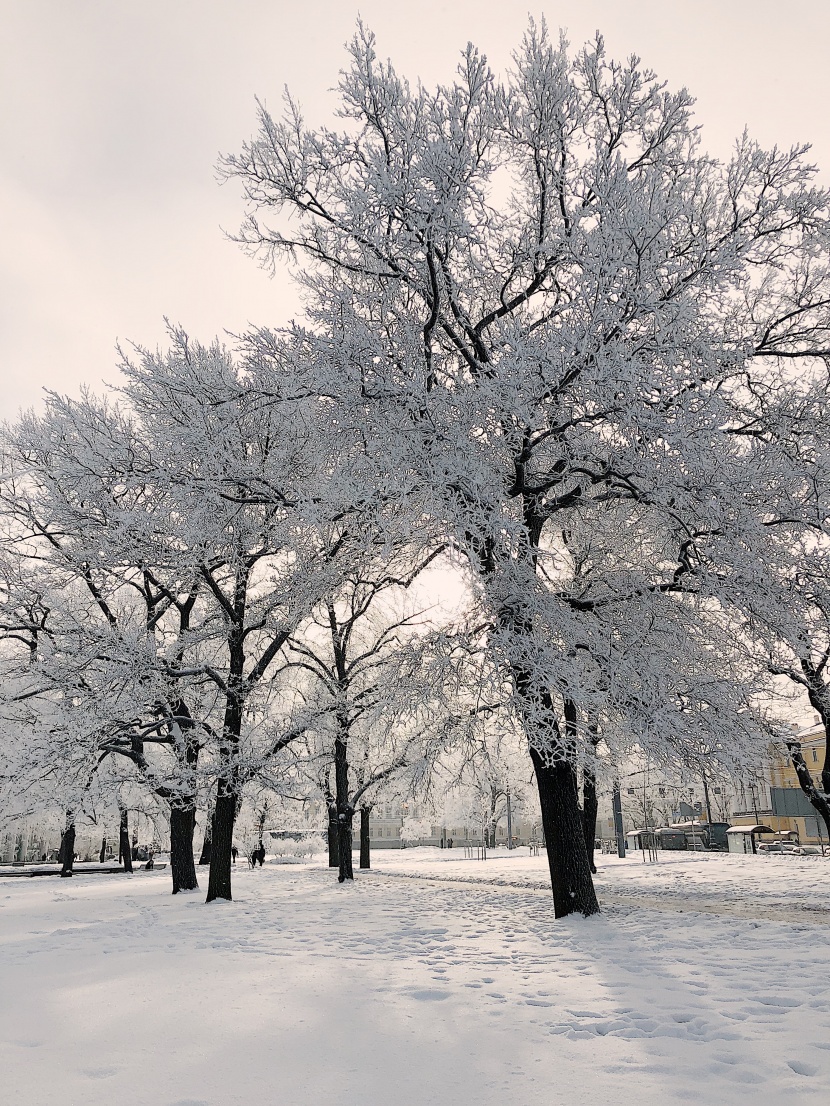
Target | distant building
(787,808)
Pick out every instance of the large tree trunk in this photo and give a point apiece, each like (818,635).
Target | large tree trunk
(344,844)
(224,816)
(570,873)
(225,810)
(125,855)
(365,841)
(345,810)
(183,805)
(228,784)
(67,850)
(182,827)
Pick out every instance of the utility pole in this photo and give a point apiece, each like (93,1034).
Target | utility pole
(616,803)
(509,820)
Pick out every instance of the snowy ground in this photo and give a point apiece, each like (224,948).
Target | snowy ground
(415,987)
(789,888)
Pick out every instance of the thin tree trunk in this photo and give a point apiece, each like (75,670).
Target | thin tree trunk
(365,840)
(182,827)
(818,797)
(334,861)
(590,806)
(570,873)
(204,857)
(102,856)
(68,847)
(493,822)
(125,855)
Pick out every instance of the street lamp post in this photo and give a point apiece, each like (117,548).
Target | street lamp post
(616,803)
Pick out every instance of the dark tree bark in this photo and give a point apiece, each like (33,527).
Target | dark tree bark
(102,856)
(365,841)
(67,853)
(183,804)
(334,856)
(227,788)
(818,797)
(227,796)
(182,827)
(345,810)
(344,844)
(204,857)
(570,873)
(228,784)
(590,806)
(224,817)
(125,855)
(496,793)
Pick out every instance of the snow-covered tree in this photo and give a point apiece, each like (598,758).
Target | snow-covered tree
(533,292)
(777,569)
(372,675)
(173,584)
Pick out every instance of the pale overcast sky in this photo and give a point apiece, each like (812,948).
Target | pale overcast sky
(113,113)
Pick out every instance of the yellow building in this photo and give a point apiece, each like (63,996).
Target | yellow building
(789,808)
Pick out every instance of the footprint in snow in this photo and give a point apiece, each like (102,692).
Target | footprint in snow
(801,1067)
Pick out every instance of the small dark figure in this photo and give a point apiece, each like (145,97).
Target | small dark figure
(260,855)
(149,865)
(234,853)
(449,842)
(252,858)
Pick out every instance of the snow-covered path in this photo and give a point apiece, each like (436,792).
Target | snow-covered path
(776,888)
(397,991)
